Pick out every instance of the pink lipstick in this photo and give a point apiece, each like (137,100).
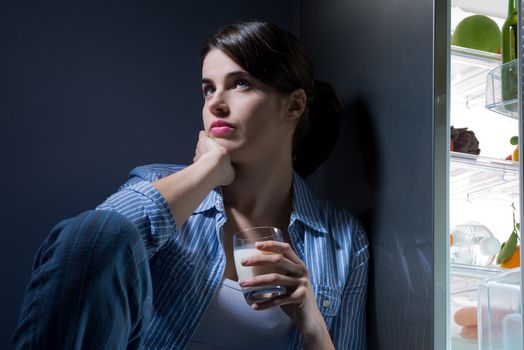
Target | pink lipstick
(220,128)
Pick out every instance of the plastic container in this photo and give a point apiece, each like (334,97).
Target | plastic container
(464,290)
(500,312)
(473,244)
(501,90)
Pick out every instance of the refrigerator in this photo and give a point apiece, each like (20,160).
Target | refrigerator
(484,193)
(404,86)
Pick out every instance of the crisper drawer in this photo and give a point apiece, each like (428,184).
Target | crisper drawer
(464,293)
(500,312)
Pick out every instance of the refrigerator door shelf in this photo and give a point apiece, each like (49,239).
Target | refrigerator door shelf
(501,90)
(475,178)
(469,69)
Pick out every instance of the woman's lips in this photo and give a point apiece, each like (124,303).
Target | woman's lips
(221,129)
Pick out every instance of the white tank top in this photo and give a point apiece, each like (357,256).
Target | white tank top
(230,323)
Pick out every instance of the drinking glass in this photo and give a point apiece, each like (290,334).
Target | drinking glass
(244,247)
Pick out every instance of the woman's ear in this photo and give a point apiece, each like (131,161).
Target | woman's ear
(297,104)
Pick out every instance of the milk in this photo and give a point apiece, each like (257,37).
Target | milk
(245,272)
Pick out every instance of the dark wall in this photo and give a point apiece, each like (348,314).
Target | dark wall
(380,56)
(88,91)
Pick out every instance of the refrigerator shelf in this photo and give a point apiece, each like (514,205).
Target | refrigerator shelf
(469,69)
(480,178)
(467,278)
(491,8)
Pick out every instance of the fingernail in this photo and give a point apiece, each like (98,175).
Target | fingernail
(254,306)
(241,282)
(244,261)
(259,244)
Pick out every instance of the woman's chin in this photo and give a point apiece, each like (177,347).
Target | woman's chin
(236,149)
(228,144)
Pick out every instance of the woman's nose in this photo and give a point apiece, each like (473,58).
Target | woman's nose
(218,105)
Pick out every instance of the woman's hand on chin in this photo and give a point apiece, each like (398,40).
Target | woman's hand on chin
(208,150)
(299,302)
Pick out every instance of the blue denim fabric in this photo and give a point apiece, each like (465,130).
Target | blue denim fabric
(90,287)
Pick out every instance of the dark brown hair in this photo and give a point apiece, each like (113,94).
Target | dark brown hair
(277,58)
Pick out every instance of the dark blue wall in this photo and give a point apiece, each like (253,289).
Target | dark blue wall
(381,57)
(90,89)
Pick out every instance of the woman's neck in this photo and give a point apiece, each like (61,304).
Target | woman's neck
(261,194)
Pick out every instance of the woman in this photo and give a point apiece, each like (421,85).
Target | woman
(261,112)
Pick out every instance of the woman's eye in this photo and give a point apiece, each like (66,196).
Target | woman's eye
(207,90)
(242,83)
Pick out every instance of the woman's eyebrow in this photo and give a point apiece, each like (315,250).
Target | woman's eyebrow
(234,74)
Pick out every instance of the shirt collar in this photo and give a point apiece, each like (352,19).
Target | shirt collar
(214,199)
(306,206)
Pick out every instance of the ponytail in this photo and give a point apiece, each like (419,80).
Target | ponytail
(317,132)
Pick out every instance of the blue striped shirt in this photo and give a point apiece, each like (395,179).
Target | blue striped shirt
(187,262)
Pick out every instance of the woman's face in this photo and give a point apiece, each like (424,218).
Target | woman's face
(241,113)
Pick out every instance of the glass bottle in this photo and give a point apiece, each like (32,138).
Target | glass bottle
(509,53)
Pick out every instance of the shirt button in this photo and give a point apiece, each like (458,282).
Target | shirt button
(325,303)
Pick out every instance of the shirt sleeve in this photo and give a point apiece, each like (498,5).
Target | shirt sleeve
(143,205)
(348,330)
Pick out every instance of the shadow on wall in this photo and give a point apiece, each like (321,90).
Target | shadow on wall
(371,166)
(352,178)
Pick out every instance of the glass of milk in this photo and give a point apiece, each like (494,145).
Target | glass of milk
(244,247)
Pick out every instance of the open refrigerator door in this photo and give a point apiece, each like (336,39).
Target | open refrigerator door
(484,185)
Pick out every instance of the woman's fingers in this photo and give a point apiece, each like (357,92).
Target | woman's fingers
(274,279)
(275,260)
(204,145)
(208,148)
(296,296)
(199,146)
(281,248)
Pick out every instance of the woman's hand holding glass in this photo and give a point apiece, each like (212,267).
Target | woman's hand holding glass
(299,302)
